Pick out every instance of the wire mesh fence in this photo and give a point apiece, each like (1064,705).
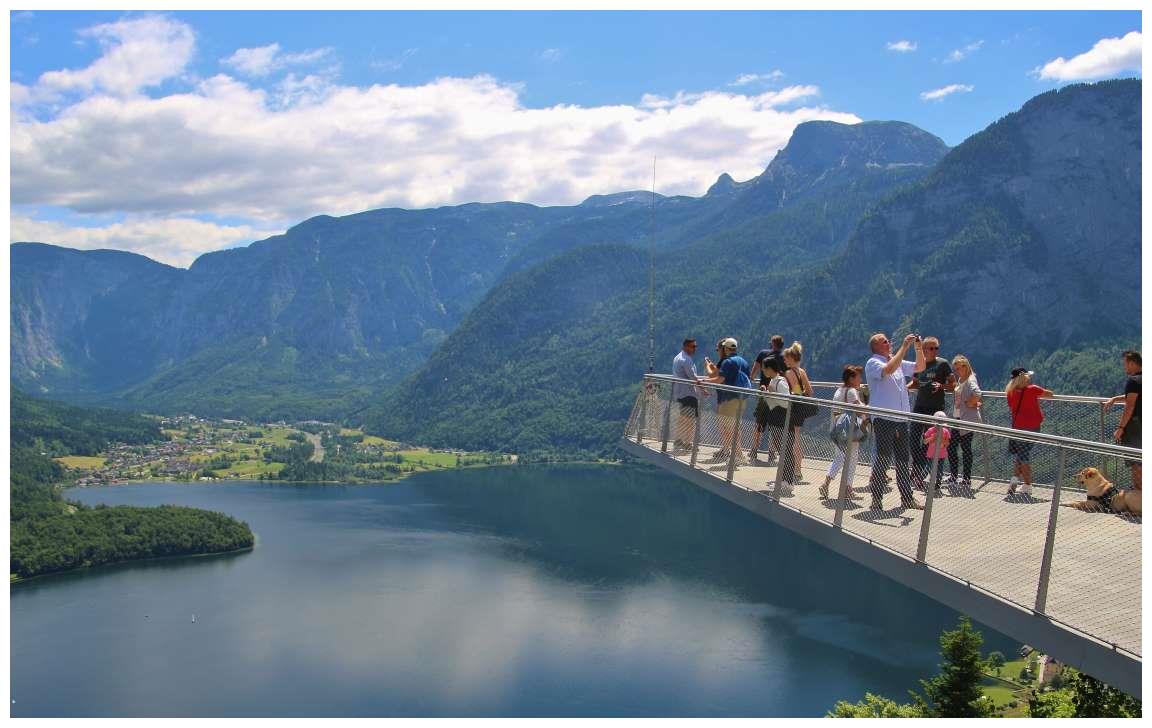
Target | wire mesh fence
(981,502)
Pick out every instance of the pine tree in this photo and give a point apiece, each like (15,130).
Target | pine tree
(955,692)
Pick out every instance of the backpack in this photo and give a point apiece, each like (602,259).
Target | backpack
(846,431)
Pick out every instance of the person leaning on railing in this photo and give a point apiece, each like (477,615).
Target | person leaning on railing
(1024,404)
(1128,433)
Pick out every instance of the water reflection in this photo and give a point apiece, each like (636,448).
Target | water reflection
(517,591)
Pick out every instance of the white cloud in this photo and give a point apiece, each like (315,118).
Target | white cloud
(258,62)
(551,55)
(229,149)
(940,93)
(137,53)
(961,53)
(175,241)
(745,79)
(902,46)
(1108,57)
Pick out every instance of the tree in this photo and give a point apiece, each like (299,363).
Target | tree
(874,706)
(1084,697)
(1094,699)
(955,692)
(996,661)
(1052,704)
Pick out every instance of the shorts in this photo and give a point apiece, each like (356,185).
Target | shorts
(762,410)
(729,407)
(689,406)
(1021,449)
(1131,436)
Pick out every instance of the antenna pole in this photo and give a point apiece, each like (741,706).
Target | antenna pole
(652,279)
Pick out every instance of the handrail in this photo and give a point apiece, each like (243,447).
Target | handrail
(1081,398)
(1025,435)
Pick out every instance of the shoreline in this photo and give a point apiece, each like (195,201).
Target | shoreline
(177,557)
(400,476)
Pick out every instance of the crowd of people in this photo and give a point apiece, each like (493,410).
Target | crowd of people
(913,449)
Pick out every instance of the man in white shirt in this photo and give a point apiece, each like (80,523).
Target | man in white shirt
(684,367)
(885,373)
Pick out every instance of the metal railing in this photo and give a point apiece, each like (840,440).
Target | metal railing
(1073,415)
(1020,547)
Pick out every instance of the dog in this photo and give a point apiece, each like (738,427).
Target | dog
(1103,496)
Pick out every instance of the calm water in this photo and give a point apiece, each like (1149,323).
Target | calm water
(564,591)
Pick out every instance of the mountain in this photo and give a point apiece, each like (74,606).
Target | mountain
(318,321)
(1025,239)
(307,323)
(1021,245)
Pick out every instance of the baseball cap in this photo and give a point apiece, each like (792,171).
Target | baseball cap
(1021,370)
(728,343)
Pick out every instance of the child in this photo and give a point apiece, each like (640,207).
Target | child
(941,452)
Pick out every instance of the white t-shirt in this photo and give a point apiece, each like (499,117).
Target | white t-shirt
(842,394)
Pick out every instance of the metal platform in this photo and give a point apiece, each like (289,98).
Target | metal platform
(1065,581)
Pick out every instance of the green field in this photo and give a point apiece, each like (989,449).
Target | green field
(80,462)
(251,469)
(429,458)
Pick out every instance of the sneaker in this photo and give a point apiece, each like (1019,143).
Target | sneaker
(1026,489)
(912,505)
(824,491)
(951,480)
(741,460)
(721,455)
(1012,484)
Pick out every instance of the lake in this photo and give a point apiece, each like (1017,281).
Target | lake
(524,591)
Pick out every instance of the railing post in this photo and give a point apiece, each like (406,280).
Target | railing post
(642,423)
(667,418)
(929,493)
(987,452)
(785,447)
(734,444)
(848,470)
(1050,538)
(696,430)
(1103,425)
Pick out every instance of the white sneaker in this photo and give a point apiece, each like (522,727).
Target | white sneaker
(1012,484)
(1026,489)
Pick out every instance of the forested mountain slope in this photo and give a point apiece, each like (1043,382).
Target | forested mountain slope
(1022,246)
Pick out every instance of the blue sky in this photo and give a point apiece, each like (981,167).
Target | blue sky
(174,133)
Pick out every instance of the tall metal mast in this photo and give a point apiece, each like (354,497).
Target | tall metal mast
(652,280)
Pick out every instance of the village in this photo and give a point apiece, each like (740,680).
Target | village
(205,449)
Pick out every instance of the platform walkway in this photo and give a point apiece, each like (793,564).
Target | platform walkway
(1066,581)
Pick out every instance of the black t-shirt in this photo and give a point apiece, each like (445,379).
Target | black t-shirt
(777,359)
(1133,385)
(930,402)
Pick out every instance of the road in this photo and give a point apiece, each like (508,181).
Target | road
(318,451)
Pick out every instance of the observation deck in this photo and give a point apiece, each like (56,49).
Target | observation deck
(1062,580)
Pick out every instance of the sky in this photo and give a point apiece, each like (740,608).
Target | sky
(173,133)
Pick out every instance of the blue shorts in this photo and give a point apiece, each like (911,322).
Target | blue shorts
(1021,449)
